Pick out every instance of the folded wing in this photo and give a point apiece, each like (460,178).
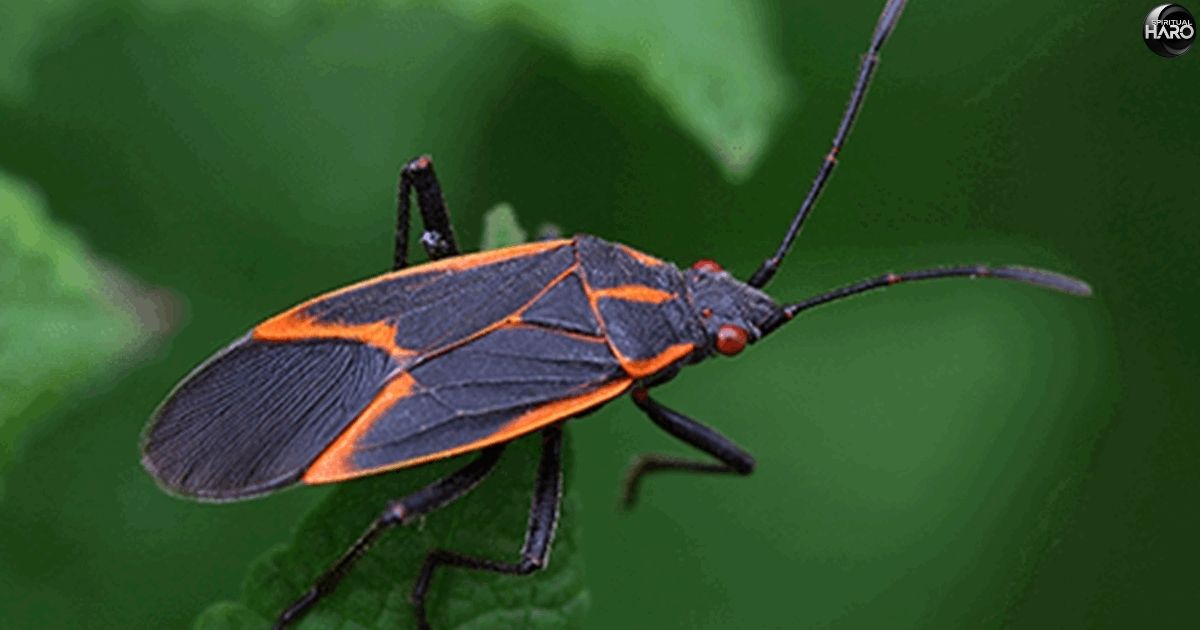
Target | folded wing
(511,381)
(252,418)
(413,366)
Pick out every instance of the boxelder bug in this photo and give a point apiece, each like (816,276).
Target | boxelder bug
(467,352)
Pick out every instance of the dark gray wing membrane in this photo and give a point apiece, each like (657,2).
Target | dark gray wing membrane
(253,417)
(639,330)
(480,388)
(565,306)
(435,308)
(610,265)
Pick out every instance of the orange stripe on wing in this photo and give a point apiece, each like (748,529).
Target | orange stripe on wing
(637,368)
(644,258)
(635,293)
(294,326)
(513,319)
(336,462)
(457,263)
(341,465)
(516,316)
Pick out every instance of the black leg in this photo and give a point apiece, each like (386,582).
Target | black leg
(543,519)
(438,238)
(399,512)
(731,459)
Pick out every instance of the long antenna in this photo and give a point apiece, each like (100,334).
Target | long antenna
(1038,277)
(887,21)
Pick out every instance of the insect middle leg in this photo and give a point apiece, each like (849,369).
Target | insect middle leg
(539,535)
(398,512)
(731,459)
(438,238)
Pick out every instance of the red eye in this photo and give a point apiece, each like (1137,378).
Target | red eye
(704,264)
(731,339)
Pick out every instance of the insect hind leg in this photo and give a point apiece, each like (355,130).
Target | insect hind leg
(438,238)
(539,535)
(731,458)
(399,512)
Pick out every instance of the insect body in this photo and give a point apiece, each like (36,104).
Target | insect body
(377,376)
(468,352)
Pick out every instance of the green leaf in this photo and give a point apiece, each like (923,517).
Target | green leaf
(500,228)
(62,320)
(489,523)
(727,96)
(22,27)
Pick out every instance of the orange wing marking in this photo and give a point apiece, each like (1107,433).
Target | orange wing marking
(340,455)
(294,326)
(336,462)
(637,368)
(635,293)
(516,317)
(457,263)
(511,320)
(645,259)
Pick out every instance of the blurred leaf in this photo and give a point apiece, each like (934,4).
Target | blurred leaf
(488,523)
(60,320)
(500,228)
(22,26)
(726,96)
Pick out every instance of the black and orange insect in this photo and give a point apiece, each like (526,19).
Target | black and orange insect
(468,352)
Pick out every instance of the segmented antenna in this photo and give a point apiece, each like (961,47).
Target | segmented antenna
(887,21)
(1028,275)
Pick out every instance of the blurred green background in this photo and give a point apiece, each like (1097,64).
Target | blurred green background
(942,455)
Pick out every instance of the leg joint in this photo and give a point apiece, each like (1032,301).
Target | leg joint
(530,565)
(396,513)
(417,164)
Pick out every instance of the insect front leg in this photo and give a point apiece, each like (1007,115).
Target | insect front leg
(731,459)
(438,238)
(539,534)
(398,512)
